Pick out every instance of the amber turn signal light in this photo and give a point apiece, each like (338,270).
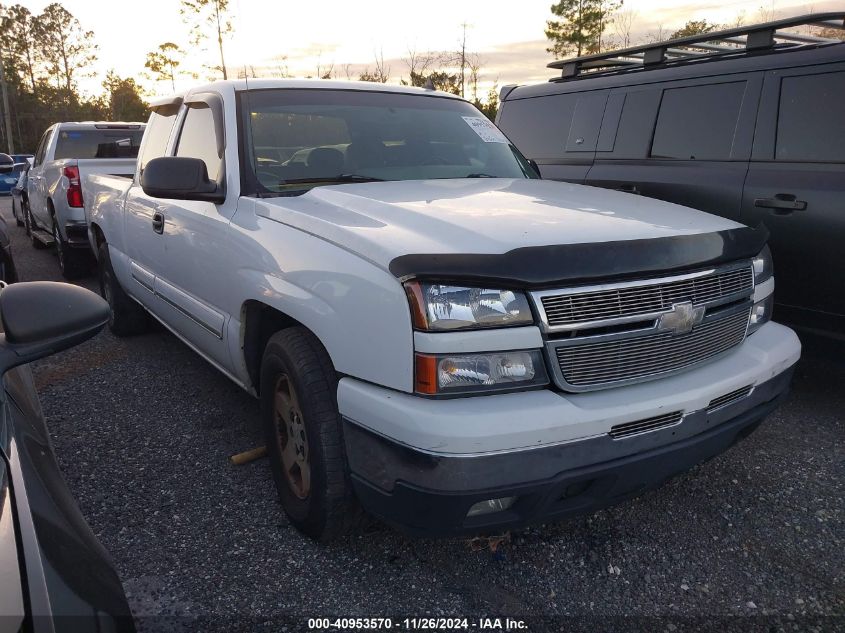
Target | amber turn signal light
(415,299)
(425,376)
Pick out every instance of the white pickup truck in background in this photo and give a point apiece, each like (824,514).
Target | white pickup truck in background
(435,334)
(67,153)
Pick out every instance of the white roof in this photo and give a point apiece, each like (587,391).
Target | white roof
(93,124)
(314,84)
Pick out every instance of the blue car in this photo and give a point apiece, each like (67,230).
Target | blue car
(10,170)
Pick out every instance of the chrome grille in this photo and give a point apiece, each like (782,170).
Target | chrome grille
(728,398)
(643,426)
(644,298)
(597,364)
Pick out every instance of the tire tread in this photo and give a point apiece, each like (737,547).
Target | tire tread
(128,317)
(338,512)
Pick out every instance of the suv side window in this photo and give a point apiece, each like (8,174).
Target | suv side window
(198,139)
(42,148)
(811,122)
(698,122)
(539,126)
(157,134)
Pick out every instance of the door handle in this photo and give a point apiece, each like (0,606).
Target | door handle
(630,189)
(783,202)
(158,222)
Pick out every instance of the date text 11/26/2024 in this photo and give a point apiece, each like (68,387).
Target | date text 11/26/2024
(417,624)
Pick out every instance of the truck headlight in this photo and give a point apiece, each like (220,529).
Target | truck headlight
(444,374)
(441,307)
(761,312)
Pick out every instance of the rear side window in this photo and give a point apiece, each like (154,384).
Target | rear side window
(198,139)
(157,134)
(104,143)
(698,122)
(539,126)
(811,121)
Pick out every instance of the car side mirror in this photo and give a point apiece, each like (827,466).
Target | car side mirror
(535,167)
(40,318)
(180,178)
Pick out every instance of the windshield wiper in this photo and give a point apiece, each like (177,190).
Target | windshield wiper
(338,178)
(480,176)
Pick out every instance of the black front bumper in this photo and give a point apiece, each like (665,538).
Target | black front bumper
(430,494)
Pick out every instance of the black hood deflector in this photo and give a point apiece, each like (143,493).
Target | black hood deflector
(546,266)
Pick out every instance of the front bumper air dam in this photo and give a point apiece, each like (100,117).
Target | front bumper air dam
(428,494)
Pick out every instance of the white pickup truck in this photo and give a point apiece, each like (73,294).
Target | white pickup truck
(435,335)
(67,153)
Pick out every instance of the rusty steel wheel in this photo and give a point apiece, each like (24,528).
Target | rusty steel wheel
(292,438)
(303,431)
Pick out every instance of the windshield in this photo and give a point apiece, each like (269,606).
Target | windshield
(99,143)
(298,139)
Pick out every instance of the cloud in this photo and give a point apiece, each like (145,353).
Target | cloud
(522,62)
(717,11)
(518,63)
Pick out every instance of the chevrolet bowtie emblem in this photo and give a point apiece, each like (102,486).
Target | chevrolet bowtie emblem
(681,318)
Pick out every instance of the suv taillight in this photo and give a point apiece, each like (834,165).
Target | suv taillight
(74,187)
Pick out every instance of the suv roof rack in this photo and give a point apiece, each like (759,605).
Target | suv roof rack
(754,37)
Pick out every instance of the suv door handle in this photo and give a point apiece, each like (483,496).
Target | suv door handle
(158,222)
(781,202)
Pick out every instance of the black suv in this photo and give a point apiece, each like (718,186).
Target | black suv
(747,123)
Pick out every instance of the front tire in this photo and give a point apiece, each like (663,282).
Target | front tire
(304,435)
(126,316)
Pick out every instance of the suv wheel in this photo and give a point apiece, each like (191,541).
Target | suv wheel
(304,435)
(126,316)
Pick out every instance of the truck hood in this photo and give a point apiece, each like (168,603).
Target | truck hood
(383,221)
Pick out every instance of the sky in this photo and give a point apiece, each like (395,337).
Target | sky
(271,36)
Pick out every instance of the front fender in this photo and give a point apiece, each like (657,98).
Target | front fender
(360,316)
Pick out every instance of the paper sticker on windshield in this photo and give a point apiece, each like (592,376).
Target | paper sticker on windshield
(488,132)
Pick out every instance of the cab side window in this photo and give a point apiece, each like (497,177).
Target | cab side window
(157,134)
(811,122)
(198,139)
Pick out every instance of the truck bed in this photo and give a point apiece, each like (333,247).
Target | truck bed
(102,195)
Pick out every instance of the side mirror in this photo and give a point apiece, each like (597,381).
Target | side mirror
(535,167)
(40,318)
(180,178)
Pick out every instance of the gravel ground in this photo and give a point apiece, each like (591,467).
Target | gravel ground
(143,429)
